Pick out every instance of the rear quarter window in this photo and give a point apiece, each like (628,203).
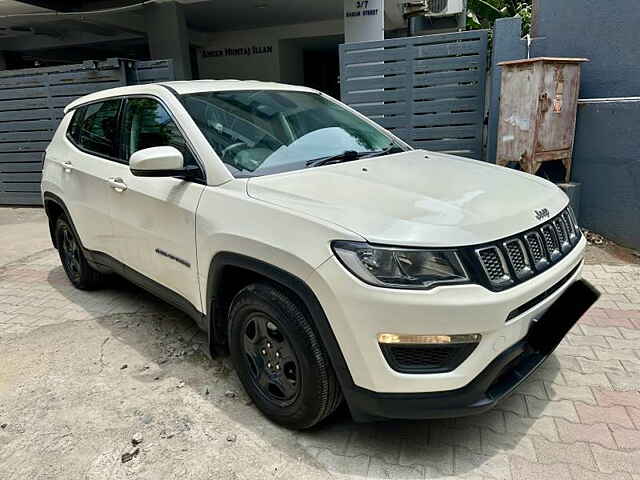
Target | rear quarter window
(73,131)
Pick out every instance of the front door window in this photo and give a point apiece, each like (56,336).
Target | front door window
(148,124)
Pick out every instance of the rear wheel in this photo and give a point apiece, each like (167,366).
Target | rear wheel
(279,358)
(73,260)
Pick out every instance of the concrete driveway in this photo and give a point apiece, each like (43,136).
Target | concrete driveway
(84,375)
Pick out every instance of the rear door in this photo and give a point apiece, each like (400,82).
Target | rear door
(154,218)
(87,160)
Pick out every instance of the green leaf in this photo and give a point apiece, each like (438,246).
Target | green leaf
(483,13)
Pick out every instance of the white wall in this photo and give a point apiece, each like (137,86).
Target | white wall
(241,57)
(260,54)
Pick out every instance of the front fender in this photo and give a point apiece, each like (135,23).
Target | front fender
(293,284)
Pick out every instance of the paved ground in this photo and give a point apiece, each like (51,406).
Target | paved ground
(81,374)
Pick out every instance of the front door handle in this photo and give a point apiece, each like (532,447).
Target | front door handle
(117,184)
(67,166)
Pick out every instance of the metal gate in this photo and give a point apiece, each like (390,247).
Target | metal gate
(32,102)
(428,90)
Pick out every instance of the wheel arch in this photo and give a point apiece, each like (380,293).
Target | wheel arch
(55,207)
(218,302)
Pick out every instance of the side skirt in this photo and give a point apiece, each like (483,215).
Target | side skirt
(101,261)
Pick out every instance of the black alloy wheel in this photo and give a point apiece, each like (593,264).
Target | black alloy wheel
(271,360)
(70,254)
(75,265)
(279,358)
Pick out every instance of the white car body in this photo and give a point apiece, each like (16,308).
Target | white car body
(171,231)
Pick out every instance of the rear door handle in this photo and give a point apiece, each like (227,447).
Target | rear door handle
(117,184)
(68,166)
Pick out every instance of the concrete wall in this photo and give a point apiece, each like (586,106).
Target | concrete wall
(168,36)
(607,164)
(241,57)
(604,31)
(262,53)
(605,159)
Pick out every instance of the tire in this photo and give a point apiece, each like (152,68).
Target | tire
(73,260)
(279,358)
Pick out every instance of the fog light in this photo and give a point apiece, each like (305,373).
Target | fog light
(394,338)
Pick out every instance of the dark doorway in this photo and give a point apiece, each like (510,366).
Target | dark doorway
(193,57)
(322,70)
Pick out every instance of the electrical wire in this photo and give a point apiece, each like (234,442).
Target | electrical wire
(55,13)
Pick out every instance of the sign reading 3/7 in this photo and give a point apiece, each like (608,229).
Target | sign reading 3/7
(364,20)
(362,9)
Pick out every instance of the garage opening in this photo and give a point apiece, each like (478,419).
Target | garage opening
(313,62)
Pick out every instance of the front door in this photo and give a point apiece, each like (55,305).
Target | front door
(154,218)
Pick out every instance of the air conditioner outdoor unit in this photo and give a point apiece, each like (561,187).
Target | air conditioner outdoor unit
(434,8)
(398,11)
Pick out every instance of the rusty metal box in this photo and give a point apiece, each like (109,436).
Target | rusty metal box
(538,103)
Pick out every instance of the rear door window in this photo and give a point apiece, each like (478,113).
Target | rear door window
(98,129)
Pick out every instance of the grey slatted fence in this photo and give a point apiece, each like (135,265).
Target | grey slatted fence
(428,90)
(32,104)
(151,71)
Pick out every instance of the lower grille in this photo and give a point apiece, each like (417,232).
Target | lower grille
(426,358)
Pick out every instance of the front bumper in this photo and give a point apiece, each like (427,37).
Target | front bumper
(497,380)
(355,313)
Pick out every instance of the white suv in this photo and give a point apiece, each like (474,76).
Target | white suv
(328,257)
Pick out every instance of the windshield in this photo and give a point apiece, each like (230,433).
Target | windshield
(271,131)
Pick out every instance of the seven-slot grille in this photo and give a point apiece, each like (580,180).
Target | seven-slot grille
(493,263)
(571,225)
(519,258)
(536,250)
(551,241)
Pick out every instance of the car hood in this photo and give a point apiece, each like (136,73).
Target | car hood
(415,198)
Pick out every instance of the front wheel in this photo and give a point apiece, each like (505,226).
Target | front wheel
(279,359)
(73,260)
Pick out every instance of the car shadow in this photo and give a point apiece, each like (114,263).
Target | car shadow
(170,353)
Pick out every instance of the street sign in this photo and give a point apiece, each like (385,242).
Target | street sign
(363,20)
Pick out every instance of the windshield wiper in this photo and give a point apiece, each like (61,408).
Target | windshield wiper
(350,155)
(393,148)
(345,156)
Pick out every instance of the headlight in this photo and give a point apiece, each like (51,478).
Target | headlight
(400,267)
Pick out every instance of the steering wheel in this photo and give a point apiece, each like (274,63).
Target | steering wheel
(232,147)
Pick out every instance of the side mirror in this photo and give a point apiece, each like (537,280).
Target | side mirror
(157,162)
